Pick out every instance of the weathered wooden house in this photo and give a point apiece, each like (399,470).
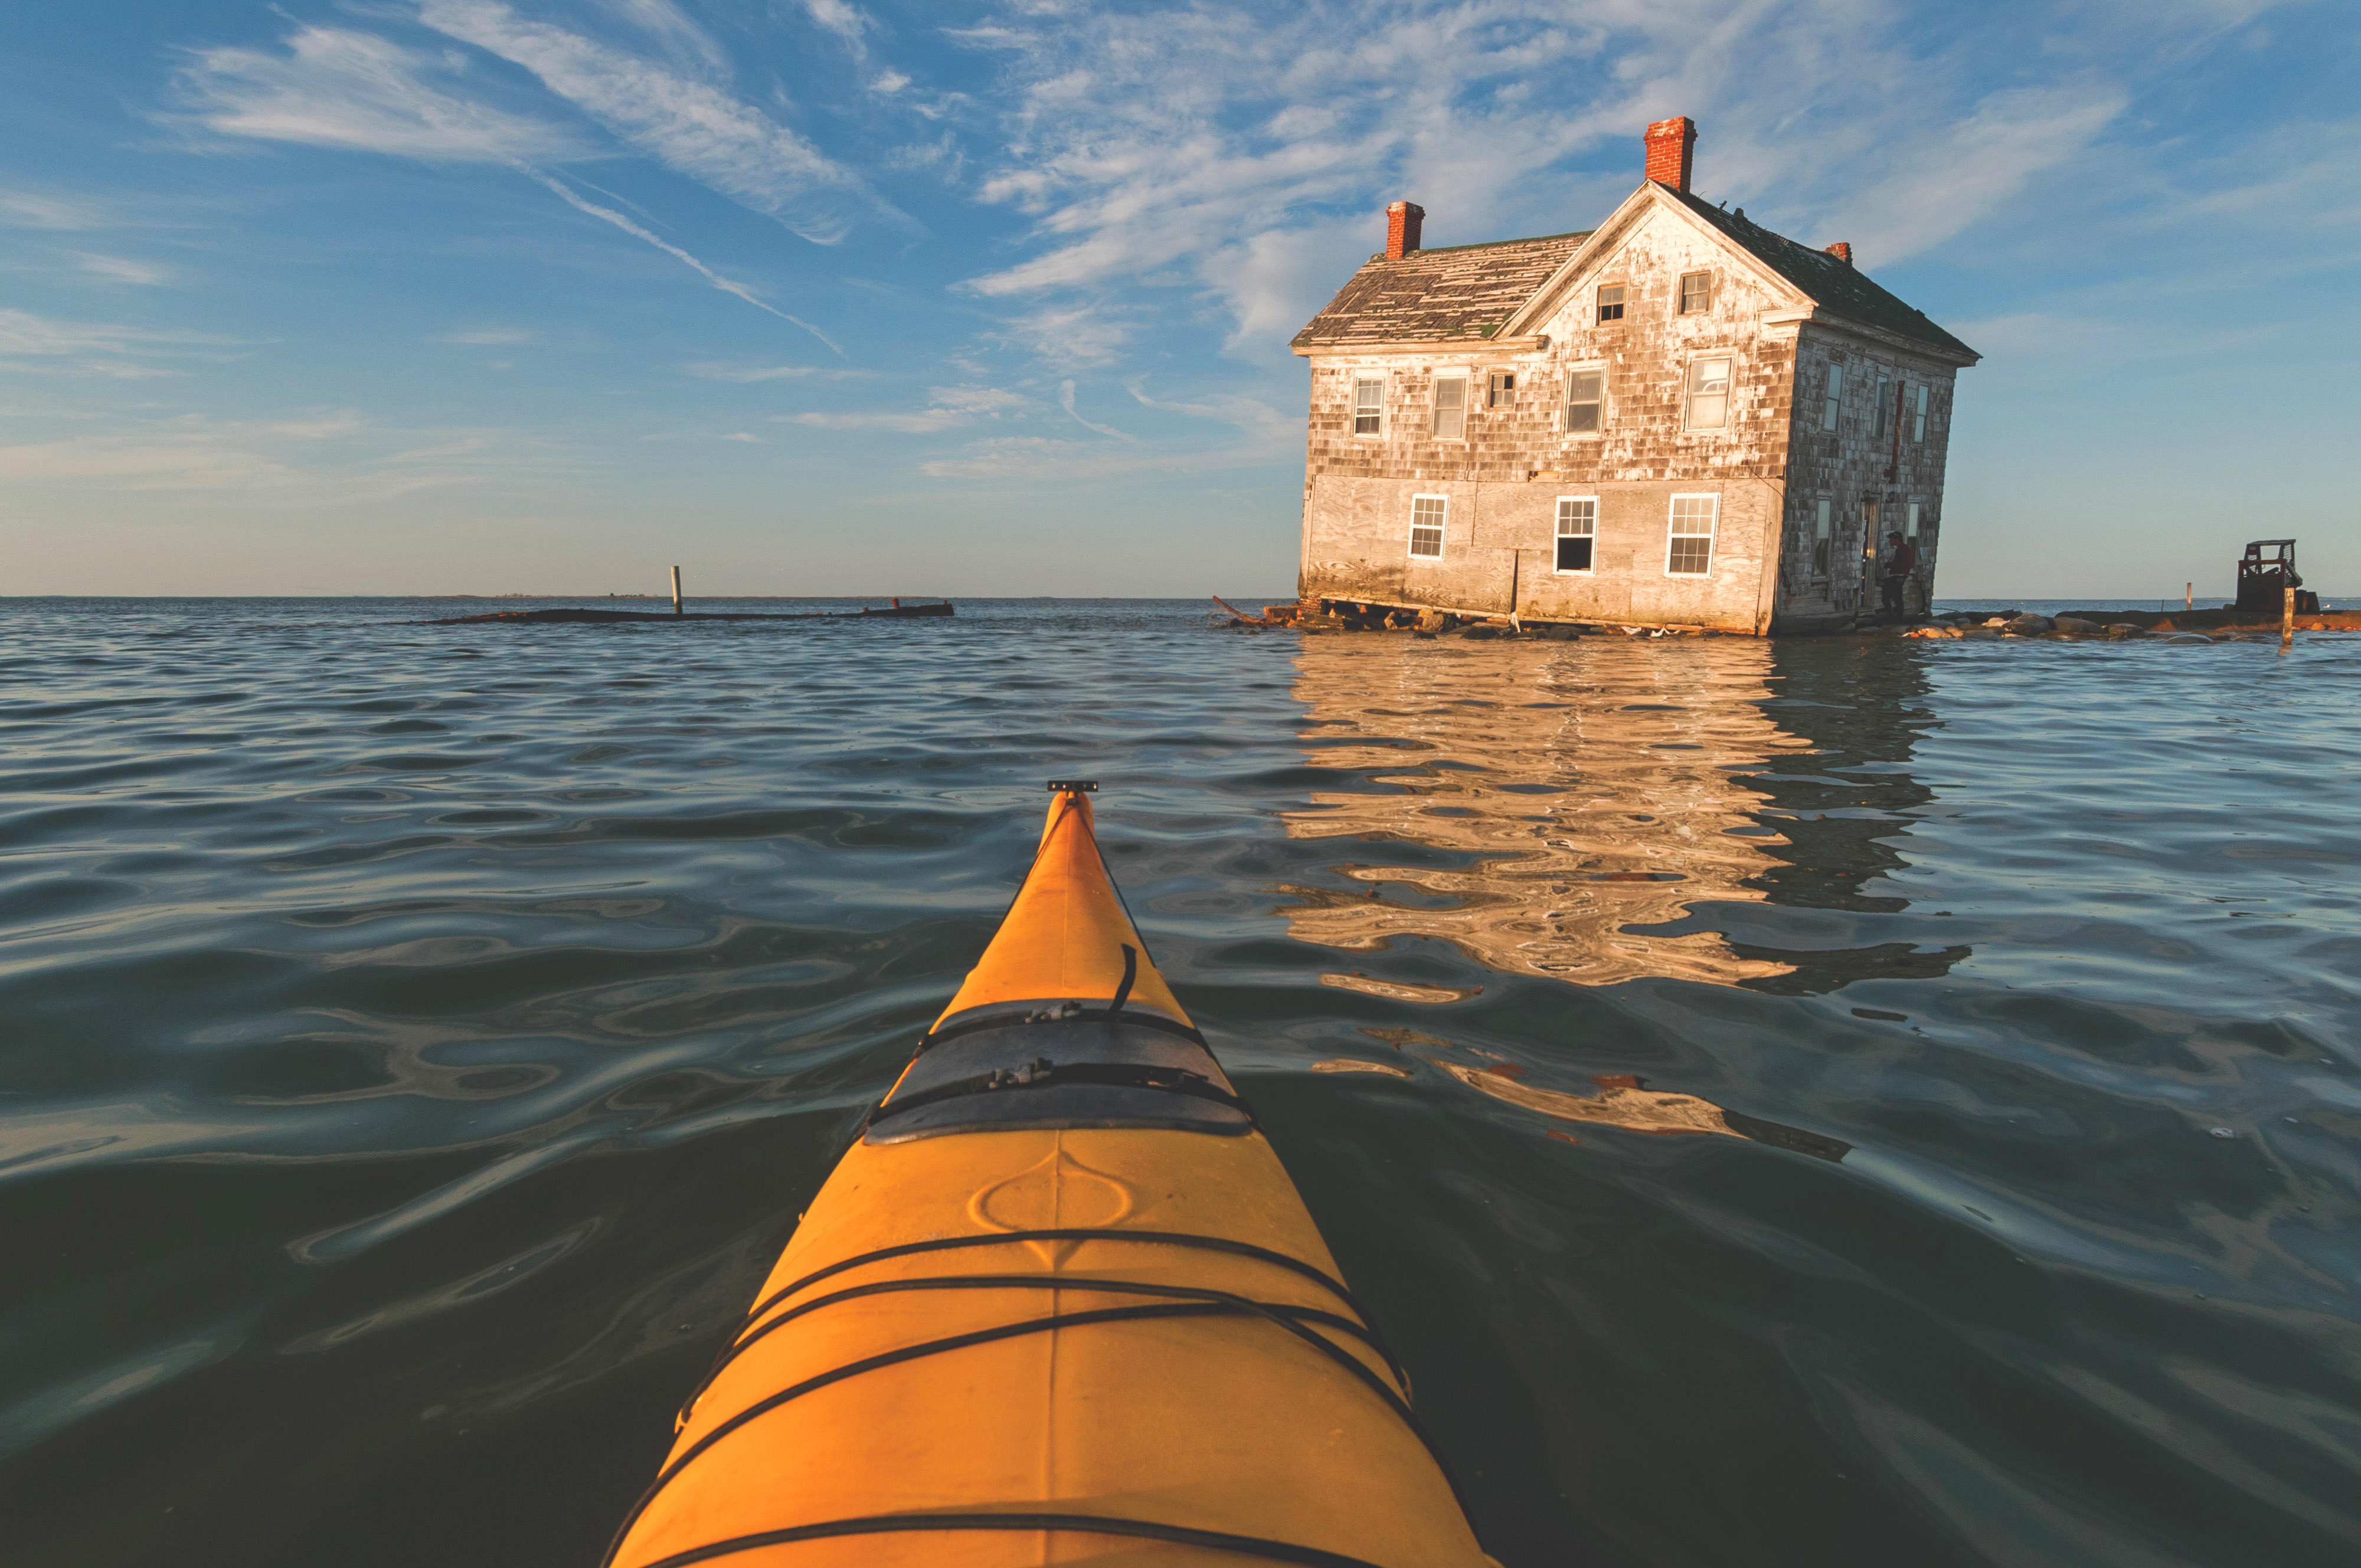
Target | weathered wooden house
(1676,418)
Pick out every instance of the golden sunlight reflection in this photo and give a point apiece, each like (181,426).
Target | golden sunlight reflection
(1592,780)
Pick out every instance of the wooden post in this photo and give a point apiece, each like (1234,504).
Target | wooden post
(2188,596)
(2286,615)
(1516,559)
(676,591)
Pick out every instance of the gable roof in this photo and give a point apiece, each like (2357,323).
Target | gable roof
(1470,293)
(1463,291)
(1844,288)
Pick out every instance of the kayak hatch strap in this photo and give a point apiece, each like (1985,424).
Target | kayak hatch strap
(1025,1282)
(1079,1524)
(1047,1074)
(1076,1233)
(1215,1303)
(981,1020)
(1130,973)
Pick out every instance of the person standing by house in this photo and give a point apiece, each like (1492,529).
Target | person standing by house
(1901,560)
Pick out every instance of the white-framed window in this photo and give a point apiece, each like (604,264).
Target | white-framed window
(1884,407)
(1427,516)
(1918,414)
(1688,543)
(1611,302)
(1832,397)
(1823,535)
(1368,405)
(1502,391)
(1450,408)
(1910,521)
(1708,394)
(1586,401)
(1697,293)
(1577,533)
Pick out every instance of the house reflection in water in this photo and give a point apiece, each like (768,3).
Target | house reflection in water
(1623,1101)
(1596,784)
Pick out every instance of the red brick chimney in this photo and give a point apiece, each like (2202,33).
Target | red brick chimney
(1403,219)
(1669,145)
(1843,251)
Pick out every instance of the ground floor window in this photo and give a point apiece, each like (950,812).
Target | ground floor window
(1426,516)
(1910,521)
(1577,532)
(1688,550)
(1823,539)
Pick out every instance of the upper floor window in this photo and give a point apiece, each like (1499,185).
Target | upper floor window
(1369,407)
(1884,407)
(1610,301)
(1708,394)
(1577,532)
(1502,391)
(1585,402)
(1426,518)
(1919,414)
(1689,548)
(1450,408)
(1697,293)
(1832,399)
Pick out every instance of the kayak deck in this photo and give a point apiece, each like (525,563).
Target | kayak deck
(1056,1312)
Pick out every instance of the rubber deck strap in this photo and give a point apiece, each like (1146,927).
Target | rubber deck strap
(1079,1233)
(1026,1282)
(1237,1306)
(1068,1075)
(1077,1524)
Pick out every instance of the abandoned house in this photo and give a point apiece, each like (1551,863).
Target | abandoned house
(1676,418)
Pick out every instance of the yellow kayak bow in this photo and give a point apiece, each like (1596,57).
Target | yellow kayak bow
(1061,1303)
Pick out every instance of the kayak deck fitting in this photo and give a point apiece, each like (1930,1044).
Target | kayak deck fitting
(1060,1303)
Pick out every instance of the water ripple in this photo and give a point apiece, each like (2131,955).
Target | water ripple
(1907,1095)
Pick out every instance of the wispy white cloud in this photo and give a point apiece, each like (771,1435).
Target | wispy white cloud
(41,209)
(746,375)
(694,126)
(1075,336)
(334,87)
(1932,191)
(357,92)
(1034,459)
(187,453)
(97,347)
(847,21)
(115,269)
(1066,401)
(950,407)
(1249,414)
(727,286)
(1242,155)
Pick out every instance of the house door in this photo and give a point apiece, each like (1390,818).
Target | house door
(1866,595)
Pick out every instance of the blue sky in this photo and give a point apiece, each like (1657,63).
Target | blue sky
(818,296)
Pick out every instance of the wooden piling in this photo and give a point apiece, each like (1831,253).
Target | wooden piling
(676,591)
(2286,615)
(2188,596)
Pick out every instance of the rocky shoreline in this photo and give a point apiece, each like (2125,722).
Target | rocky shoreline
(2186,626)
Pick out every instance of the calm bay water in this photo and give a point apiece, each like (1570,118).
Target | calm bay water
(1801,1104)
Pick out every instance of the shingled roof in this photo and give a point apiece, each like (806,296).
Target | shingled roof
(1460,291)
(1841,286)
(1467,291)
